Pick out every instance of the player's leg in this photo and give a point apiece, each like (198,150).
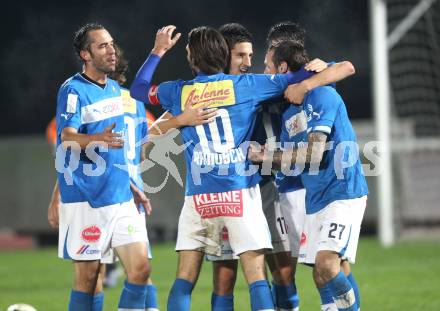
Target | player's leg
(130,242)
(289,220)
(338,239)
(192,237)
(249,237)
(345,266)
(282,266)
(224,277)
(81,239)
(188,269)
(252,263)
(133,257)
(86,276)
(151,300)
(98,297)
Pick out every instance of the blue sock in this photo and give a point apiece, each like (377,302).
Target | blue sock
(222,303)
(151,300)
(80,301)
(132,296)
(261,297)
(342,292)
(326,295)
(357,294)
(180,295)
(98,302)
(286,297)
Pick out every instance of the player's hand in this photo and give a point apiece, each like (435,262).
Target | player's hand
(295,93)
(316,65)
(256,153)
(196,115)
(140,198)
(112,140)
(53,213)
(165,40)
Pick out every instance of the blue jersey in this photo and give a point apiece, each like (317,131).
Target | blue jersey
(293,131)
(136,134)
(216,156)
(94,175)
(340,176)
(268,127)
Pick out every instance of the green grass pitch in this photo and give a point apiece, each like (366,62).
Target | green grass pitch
(404,277)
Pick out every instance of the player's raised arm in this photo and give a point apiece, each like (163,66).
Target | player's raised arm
(165,40)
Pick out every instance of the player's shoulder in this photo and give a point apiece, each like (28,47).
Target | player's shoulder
(324,94)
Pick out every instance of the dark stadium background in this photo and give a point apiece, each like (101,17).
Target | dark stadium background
(37,56)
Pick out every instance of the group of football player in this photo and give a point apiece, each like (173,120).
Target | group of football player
(267,176)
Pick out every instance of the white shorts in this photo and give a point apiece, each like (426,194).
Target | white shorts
(110,257)
(87,233)
(293,212)
(335,228)
(203,217)
(274,216)
(272,212)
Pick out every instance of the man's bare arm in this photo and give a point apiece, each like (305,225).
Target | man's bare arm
(112,140)
(311,154)
(191,116)
(54,206)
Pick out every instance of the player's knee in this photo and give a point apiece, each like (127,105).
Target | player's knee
(326,268)
(139,273)
(224,285)
(284,276)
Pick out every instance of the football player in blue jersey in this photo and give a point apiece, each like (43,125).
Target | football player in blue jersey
(98,209)
(291,31)
(269,127)
(221,191)
(326,156)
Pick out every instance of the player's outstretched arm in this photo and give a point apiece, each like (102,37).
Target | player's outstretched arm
(191,116)
(54,206)
(165,40)
(311,154)
(339,71)
(107,137)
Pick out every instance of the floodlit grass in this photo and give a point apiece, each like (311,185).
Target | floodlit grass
(404,277)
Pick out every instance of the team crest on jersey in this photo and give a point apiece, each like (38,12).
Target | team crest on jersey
(128,102)
(296,124)
(91,234)
(211,205)
(217,93)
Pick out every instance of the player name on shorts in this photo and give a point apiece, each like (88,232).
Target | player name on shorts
(235,155)
(211,205)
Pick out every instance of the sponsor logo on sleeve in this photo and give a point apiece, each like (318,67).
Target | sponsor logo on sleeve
(217,93)
(211,205)
(72,100)
(91,234)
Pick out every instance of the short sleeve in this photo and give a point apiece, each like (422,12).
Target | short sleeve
(169,95)
(68,109)
(325,103)
(261,87)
